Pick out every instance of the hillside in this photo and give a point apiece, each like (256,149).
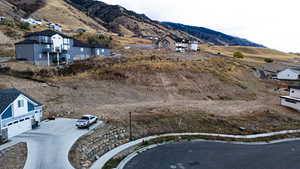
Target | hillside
(120,20)
(211,36)
(97,16)
(250,51)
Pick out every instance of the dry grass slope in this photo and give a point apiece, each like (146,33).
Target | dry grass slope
(60,12)
(250,51)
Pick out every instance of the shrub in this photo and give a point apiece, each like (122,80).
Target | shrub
(24,25)
(7,53)
(8,23)
(238,55)
(268,60)
(100,39)
(13,34)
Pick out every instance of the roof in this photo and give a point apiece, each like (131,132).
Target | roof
(47,33)
(29,41)
(289,97)
(294,87)
(10,95)
(295,70)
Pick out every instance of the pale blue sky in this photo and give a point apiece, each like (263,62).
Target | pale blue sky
(274,23)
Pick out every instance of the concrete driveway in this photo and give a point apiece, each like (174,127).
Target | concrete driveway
(49,145)
(217,155)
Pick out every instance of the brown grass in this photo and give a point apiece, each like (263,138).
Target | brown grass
(250,51)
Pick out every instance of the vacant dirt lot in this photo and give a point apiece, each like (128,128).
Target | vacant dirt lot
(164,95)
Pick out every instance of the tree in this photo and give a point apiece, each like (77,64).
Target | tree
(268,60)
(238,55)
(24,25)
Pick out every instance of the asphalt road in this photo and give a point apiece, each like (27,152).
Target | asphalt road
(214,155)
(49,145)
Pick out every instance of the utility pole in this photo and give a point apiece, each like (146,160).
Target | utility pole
(130,127)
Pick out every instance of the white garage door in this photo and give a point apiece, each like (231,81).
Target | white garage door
(19,127)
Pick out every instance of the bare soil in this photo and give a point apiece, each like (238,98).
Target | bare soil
(165,94)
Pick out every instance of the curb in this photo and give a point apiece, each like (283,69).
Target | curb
(99,164)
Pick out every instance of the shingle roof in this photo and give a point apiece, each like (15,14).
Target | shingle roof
(9,95)
(47,33)
(294,87)
(295,70)
(27,41)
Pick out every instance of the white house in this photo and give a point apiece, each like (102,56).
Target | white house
(31,21)
(181,45)
(289,74)
(2,18)
(54,26)
(293,100)
(18,113)
(193,46)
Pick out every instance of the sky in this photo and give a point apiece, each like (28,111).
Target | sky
(273,23)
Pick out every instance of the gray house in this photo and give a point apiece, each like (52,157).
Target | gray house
(53,48)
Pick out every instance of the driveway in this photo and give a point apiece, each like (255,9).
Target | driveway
(217,155)
(49,145)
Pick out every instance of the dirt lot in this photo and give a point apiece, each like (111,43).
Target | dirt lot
(164,94)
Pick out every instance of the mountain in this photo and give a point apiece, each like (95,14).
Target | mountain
(211,36)
(97,16)
(120,20)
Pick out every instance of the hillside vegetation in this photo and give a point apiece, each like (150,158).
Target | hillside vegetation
(250,51)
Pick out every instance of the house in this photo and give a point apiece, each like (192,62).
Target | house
(2,18)
(193,45)
(18,112)
(48,48)
(31,21)
(293,100)
(181,45)
(289,74)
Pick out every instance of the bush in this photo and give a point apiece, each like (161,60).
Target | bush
(238,55)
(8,23)
(100,39)
(13,34)
(268,60)
(24,25)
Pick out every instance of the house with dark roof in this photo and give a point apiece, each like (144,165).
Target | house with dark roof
(53,48)
(293,100)
(18,112)
(289,74)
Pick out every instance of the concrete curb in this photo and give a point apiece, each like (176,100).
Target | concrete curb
(134,154)
(106,157)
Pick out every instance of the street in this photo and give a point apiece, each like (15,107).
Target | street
(215,155)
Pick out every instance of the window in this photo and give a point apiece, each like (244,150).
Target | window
(291,101)
(16,122)
(21,103)
(66,41)
(40,56)
(27,118)
(81,49)
(21,120)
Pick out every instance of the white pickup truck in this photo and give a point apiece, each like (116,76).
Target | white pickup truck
(86,121)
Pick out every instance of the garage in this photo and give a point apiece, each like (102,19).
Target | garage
(18,127)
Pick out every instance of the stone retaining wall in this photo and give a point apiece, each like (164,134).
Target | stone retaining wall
(90,147)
